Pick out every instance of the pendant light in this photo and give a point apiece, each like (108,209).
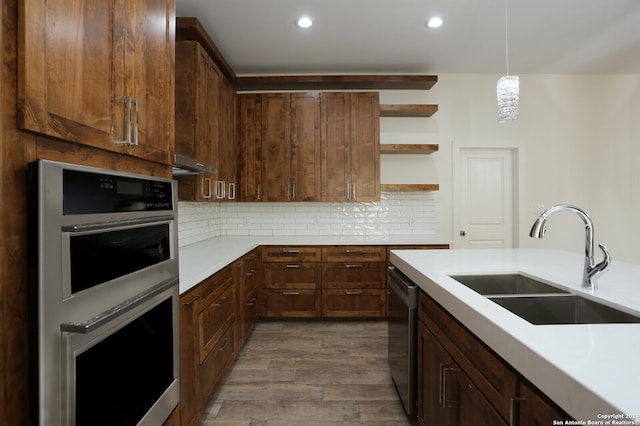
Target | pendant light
(508,87)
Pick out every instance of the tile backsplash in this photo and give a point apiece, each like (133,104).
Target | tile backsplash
(397,213)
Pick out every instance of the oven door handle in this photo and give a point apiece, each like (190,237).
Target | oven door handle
(116,224)
(103,318)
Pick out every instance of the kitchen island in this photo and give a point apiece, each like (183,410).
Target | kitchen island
(591,371)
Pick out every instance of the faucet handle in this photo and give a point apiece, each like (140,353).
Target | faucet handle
(605,262)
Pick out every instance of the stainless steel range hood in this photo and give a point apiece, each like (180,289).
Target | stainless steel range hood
(184,165)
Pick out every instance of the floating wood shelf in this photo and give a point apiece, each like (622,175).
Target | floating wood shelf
(408,148)
(407,110)
(337,82)
(409,187)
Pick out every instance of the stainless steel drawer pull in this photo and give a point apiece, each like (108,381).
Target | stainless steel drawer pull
(290,293)
(353,293)
(351,251)
(193,299)
(293,266)
(291,251)
(353,265)
(225,343)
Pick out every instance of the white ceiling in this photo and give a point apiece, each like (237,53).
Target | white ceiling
(389,36)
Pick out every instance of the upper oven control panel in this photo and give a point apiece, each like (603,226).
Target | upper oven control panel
(86,192)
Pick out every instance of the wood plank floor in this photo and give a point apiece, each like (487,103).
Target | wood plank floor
(310,373)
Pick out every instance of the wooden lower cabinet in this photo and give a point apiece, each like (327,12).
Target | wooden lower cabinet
(207,343)
(291,282)
(246,276)
(461,381)
(535,409)
(446,394)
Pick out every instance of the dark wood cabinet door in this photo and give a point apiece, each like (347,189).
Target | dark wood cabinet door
(276,147)
(149,57)
(305,146)
(249,133)
(64,91)
(535,409)
(365,147)
(228,148)
(432,362)
(335,146)
(196,99)
(189,360)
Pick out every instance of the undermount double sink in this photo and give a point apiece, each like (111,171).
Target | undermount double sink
(540,303)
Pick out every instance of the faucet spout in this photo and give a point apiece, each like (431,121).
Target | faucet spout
(591,269)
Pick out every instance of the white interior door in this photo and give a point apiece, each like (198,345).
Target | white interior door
(484,198)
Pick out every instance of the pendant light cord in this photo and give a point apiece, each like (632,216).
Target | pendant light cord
(506,34)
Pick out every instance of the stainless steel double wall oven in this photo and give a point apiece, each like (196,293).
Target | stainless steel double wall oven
(103,296)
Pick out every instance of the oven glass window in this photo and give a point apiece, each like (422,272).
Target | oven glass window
(119,379)
(100,257)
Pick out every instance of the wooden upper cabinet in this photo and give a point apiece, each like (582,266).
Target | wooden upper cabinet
(305,146)
(350,147)
(276,147)
(197,125)
(149,76)
(249,135)
(99,73)
(290,157)
(226,185)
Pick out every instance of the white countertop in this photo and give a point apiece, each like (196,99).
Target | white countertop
(200,260)
(589,370)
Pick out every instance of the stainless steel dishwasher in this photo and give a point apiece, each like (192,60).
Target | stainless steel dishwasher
(403,336)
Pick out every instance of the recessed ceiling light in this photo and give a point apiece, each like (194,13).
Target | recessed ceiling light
(304,22)
(435,22)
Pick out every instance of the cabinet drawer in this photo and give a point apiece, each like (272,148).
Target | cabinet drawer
(214,316)
(290,303)
(290,254)
(354,254)
(492,376)
(353,275)
(353,303)
(216,364)
(296,276)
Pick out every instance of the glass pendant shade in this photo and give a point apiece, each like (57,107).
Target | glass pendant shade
(508,95)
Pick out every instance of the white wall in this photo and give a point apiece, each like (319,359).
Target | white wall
(578,141)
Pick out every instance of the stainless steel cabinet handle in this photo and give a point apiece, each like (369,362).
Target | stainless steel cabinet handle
(206,184)
(445,402)
(354,192)
(353,293)
(353,265)
(290,293)
(259,194)
(232,190)
(293,191)
(293,266)
(512,410)
(291,251)
(441,373)
(353,251)
(193,299)
(135,123)
(127,114)
(225,343)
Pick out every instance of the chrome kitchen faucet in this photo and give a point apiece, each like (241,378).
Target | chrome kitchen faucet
(590,267)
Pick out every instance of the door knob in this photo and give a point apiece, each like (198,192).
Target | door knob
(463,233)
